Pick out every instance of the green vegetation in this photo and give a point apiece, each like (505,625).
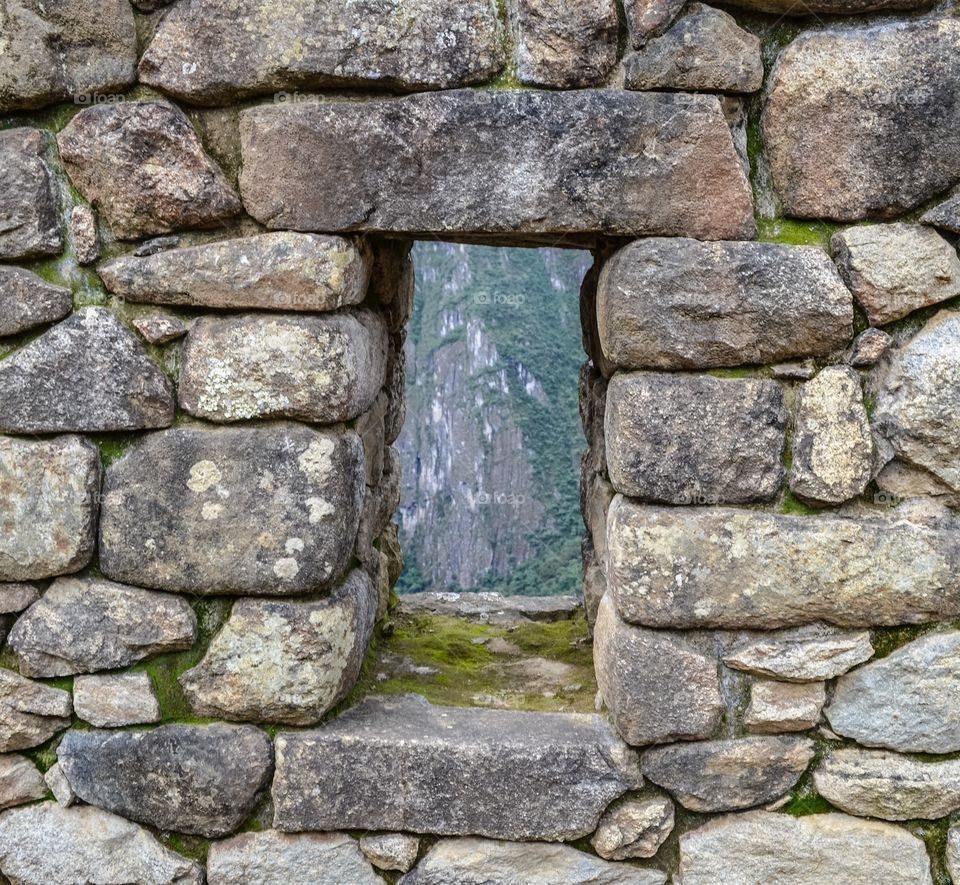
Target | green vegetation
(165,670)
(793,506)
(528,303)
(796,233)
(455,661)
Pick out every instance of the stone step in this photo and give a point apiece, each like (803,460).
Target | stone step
(401,763)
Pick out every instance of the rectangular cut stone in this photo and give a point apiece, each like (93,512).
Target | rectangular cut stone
(686,439)
(687,568)
(48,506)
(399,763)
(262,510)
(499,164)
(29,210)
(274,271)
(216,51)
(683,304)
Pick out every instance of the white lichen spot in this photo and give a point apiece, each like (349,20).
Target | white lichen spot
(211,511)
(286,569)
(316,461)
(294,545)
(203,475)
(319,509)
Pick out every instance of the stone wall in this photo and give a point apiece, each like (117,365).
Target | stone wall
(206,210)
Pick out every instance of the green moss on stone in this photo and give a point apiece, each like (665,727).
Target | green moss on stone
(449,660)
(195,848)
(165,670)
(793,506)
(887,640)
(113,446)
(792,232)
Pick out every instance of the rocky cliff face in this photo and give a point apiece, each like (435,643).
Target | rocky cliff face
(492,441)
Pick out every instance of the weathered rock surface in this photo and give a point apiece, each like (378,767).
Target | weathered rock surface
(686,568)
(504,163)
(688,439)
(829,7)
(647,18)
(683,304)
(20,781)
(274,271)
(808,654)
(16,597)
(868,348)
(82,625)
(64,846)
(484,862)
(746,849)
(67,50)
(633,828)
(832,444)
(27,301)
(160,329)
(201,779)
(29,207)
(269,510)
(565,45)
(391,851)
(30,712)
(87,373)
(906,701)
(783,706)
(873,783)
(214,55)
(862,122)
(143,167)
(918,399)
(279,661)
(945,215)
(304,858)
(83,232)
(703,50)
(493,607)
(729,775)
(321,369)
(48,491)
(656,686)
(115,700)
(895,269)
(953,853)
(59,786)
(452,771)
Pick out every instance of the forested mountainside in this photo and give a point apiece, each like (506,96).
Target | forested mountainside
(492,441)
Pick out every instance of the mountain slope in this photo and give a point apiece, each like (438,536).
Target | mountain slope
(492,441)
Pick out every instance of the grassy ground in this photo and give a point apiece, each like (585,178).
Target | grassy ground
(528,666)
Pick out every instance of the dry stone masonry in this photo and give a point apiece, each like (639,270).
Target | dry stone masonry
(206,215)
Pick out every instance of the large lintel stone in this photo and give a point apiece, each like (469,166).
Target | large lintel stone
(510,165)
(688,568)
(399,763)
